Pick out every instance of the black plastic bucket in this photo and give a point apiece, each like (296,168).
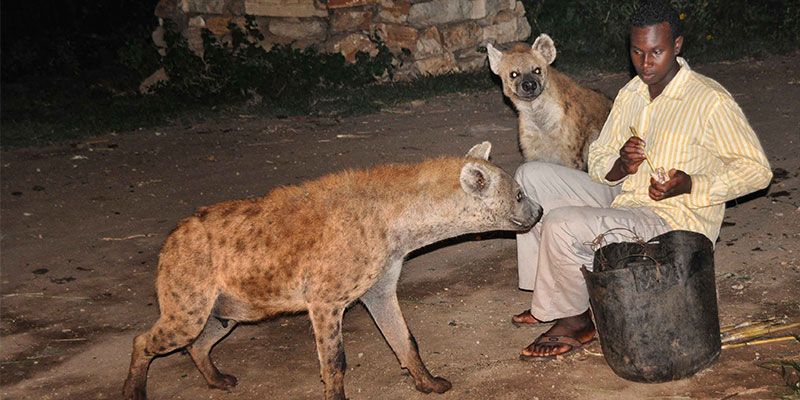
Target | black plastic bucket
(655,306)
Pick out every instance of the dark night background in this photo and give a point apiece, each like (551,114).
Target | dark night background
(72,68)
(69,37)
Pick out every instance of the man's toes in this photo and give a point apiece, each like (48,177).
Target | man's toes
(531,351)
(526,351)
(556,350)
(543,351)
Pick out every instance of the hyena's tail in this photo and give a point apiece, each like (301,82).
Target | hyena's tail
(186,296)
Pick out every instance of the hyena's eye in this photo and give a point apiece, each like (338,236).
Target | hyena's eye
(537,71)
(514,74)
(520,196)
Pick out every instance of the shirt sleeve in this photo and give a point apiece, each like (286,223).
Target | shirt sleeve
(604,151)
(733,141)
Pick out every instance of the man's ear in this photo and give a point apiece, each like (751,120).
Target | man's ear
(544,45)
(495,56)
(678,44)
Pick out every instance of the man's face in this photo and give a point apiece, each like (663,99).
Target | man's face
(653,53)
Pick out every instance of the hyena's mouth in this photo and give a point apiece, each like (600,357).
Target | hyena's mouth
(517,222)
(523,225)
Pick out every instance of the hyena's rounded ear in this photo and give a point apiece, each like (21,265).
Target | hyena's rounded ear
(544,45)
(480,151)
(476,179)
(495,56)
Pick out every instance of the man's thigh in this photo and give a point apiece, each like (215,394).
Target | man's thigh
(553,186)
(584,229)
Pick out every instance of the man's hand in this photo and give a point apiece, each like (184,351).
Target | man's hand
(631,156)
(679,183)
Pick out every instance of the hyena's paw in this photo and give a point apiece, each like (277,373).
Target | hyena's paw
(223,382)
(438,385)
(130,393)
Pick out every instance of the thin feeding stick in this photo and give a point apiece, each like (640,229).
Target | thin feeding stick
(646,157)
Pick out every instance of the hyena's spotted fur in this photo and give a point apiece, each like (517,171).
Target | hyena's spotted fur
(318,247)
(558,118)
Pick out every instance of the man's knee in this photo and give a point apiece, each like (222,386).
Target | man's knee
(532,174)
(567,219)
(532,171)
(563,215)
(571,227)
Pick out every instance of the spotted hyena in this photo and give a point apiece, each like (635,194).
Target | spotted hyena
(320,246)
(558,119)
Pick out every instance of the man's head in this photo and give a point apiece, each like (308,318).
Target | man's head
(654,12)
(656,39)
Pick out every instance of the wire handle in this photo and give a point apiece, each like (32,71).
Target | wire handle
(600,241)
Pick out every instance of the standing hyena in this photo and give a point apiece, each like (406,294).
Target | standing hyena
(320,246)
(558,119)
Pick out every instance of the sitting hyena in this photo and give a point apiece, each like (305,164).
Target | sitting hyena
(320,246)
(558,119)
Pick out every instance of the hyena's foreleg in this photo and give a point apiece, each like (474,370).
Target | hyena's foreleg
(200,350)
(381,301)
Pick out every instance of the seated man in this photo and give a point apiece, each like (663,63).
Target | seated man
(689,124)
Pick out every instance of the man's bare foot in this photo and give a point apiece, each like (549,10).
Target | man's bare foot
(566,335)
(525,318)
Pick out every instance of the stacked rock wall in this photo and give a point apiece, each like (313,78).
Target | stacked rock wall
(441,36)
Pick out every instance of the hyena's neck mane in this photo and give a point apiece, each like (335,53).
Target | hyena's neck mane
(414,204)
(428,210)
(562,98)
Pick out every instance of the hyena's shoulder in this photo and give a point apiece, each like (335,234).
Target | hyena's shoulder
(575,97)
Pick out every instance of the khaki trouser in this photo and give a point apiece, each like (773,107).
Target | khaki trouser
(576,211)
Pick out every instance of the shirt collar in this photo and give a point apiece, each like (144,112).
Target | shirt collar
(675,88)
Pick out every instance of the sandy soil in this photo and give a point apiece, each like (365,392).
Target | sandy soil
(82,224)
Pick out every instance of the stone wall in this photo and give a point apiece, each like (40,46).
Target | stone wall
(441,36)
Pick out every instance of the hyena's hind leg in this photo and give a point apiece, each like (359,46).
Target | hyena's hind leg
(179,324)
(200,350)
(326,319)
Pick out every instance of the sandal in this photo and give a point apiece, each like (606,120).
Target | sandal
(555,341)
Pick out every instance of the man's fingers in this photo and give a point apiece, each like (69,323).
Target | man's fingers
(672,172)
(632,158)
(657,191)
(655,194)
(633,149)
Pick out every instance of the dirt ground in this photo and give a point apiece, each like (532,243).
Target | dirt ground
(82,224)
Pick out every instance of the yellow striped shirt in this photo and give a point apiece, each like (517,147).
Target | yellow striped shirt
(694,126)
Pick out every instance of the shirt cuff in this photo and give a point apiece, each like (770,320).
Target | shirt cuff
(700,195)
(608,162)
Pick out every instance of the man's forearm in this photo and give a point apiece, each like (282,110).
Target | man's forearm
(617,171)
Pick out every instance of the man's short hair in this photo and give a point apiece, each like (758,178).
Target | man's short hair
(654,12)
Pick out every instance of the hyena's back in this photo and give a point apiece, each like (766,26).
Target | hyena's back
(298,244)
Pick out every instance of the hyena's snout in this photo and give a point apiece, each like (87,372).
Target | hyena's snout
(529,87)
(526,214)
